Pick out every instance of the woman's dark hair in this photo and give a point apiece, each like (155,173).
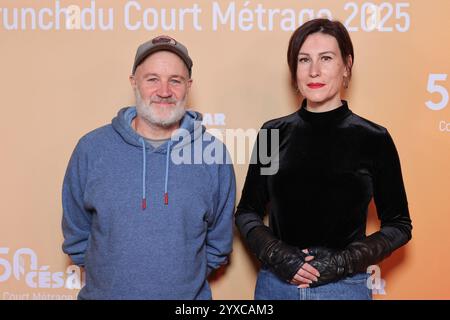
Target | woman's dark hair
(333,28)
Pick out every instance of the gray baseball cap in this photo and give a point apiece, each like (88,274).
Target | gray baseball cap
(161,43)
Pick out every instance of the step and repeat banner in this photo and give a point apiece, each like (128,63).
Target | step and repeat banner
(64,68)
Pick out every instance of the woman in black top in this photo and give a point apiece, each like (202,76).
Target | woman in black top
(331,163)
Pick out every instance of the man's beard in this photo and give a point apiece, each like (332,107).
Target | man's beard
(148,112)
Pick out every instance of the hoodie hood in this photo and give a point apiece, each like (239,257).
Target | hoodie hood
(191,125)
(190,130)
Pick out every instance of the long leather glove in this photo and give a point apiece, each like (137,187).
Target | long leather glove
(282,259)
(355,258)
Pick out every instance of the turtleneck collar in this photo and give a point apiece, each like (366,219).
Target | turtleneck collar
(327,117)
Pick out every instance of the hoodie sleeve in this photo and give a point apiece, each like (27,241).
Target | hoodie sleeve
(219,237)
(76,220)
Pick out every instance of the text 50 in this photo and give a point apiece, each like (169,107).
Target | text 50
(36,276)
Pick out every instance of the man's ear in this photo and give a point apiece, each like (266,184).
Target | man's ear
(133,81)
(189,83)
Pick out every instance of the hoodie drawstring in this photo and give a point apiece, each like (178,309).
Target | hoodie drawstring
(144,166)
(166,193)
(144,174)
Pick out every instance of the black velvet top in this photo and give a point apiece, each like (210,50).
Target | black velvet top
(331,164)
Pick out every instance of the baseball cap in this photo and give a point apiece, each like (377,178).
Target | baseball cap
(162,43)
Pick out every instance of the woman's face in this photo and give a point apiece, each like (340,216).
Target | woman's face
(321,72)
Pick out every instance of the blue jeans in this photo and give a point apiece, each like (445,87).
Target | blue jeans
(270,287)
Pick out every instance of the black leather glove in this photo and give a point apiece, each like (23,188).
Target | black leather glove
(282,259)
(355,258)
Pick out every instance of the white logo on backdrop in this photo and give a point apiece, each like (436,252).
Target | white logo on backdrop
(25,267)
(439,99)
(214,119)
(218,15)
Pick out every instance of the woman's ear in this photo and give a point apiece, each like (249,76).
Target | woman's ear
(348,66)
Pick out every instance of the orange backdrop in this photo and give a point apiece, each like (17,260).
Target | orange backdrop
(64,74)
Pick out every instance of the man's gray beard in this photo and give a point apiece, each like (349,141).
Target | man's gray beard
(147,112)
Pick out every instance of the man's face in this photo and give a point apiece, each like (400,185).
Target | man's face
(161,85)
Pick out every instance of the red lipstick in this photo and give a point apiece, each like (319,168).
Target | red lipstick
(315,85)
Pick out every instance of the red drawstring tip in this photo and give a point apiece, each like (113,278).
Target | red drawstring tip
(166,198)
(144,204)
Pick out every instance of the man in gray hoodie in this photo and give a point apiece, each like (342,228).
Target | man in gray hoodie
(141,214)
